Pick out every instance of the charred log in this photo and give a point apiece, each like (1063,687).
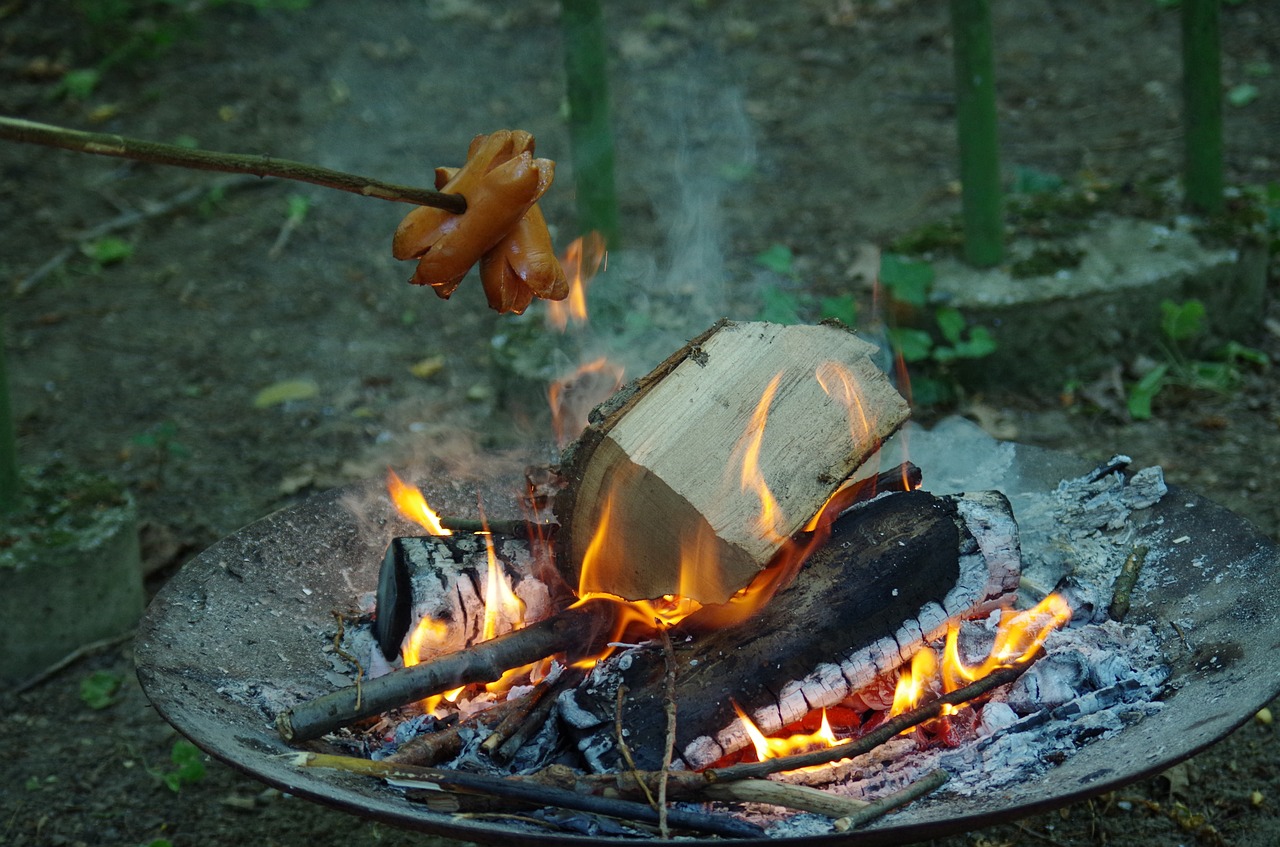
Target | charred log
(907,557)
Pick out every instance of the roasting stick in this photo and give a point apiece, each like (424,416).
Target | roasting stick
(530,792)
(119,146)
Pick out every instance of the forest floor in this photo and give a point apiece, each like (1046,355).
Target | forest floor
(825,126)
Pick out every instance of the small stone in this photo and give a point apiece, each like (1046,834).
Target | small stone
(1263,716)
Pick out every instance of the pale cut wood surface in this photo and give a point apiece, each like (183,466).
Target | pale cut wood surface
(666,467)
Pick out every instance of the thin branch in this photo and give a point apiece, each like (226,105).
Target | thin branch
(533,793)
(73,657)
(927,784)
(668,749)
(119,146)
(1122,589)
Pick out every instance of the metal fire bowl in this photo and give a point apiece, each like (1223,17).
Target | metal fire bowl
(254,609)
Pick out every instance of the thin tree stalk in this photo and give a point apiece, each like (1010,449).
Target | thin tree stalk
(976,129)
(590,134)
(119,146)
(1202,104)
(10,481)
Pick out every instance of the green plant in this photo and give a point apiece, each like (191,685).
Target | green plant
(98,689)
(976,128)
(1220,369)
(188,767)
(784,306)
(938,338)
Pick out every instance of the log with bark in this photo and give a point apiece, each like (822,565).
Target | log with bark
(748,418)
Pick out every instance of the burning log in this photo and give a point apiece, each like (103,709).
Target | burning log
(681,459)
(892,574)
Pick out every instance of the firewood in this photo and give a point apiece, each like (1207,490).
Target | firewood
(580,631)
(665,462)
(893,572)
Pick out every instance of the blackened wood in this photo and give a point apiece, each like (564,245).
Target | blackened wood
(883,563)
(395,600)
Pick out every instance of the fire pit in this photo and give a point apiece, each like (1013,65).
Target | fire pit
(250,614)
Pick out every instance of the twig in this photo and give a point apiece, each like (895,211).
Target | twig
(511,529)
(341,651)
(925,785)
(103,144)
(580,630)
(625,749)
(535,719)
(533,793)
(879,735)
(73,657)
(668,749)
(432,747)
(1125,582)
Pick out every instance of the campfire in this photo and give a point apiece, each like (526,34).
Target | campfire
(731,610)
(672,623)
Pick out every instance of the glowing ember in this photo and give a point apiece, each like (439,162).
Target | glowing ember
(914,681)
(581,261)
(409,502)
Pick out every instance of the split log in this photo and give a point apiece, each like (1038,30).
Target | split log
(664,460)
(892,574)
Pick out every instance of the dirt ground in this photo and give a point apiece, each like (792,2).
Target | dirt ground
(822,125)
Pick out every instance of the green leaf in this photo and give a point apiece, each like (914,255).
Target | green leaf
(79,84)
(842,308)
(189,763)
(1182,321)
(108,250)
(1145,390)
(285,391)
(928,391)
(1243,94)
(298,206)
(951,322)
(1235,353)
(908,280)
(1216,376)
(980,343)
(98,689)
(777,258)
(779,307)
(913,345)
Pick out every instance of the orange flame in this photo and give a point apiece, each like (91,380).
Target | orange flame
(409,502)
(769,522)
(503,610)
(429,633)
(1018,636)
(581,261)
(914,681)
(840,385)
(776,747)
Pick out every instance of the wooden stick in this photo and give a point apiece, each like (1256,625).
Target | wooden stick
(668,749)
(103,144)
(785,794)
(432,747)
(511,529)
(927,784)
(581,630)
(531,792)
(1125,582)
(535,719)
